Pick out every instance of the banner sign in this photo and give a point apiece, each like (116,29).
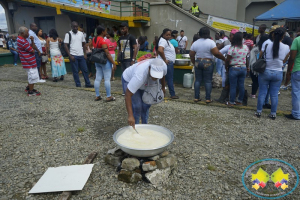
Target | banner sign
(94,5)
(228,25)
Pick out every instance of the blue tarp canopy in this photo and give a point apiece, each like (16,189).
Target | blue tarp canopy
(287,10)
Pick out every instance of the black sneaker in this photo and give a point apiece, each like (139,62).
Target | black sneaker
(272,116)
(267,106)
(33,93)
(291,117)
(258,115)
(27,89)
(89,86)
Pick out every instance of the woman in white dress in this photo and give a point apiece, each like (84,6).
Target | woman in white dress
(44,55)
(58,67)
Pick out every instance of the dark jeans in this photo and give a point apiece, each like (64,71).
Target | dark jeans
(125,64)
(169,78)
(237,77)
(80,63)
(254,83)
(89,65)
(16,55)
(203,71)
(38,60)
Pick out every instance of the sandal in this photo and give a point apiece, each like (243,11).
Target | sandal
(197,100)
(175,97)
(110,99)
(209,101)
(55,80)
(62,77)
(98,98)
(46,77)
(43,76)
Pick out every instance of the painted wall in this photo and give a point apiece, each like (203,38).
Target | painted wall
(25,15)
(165,16)
(257,8)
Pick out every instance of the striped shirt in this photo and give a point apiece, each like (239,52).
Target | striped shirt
(26,53)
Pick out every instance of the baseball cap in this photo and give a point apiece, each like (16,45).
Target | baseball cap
(157,68)
(273,28)
(123,24)
(234,31)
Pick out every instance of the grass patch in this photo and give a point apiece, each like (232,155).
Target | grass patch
(80,129)
(211,167)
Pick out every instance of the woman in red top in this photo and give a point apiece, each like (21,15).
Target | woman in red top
(112,45)
(103,70)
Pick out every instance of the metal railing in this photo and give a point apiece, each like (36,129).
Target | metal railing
(131,8)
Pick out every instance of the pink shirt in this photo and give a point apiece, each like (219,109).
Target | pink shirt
(111,46)
(238,55)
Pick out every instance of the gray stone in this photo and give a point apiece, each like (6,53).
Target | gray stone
(112,151)
(149,166)
(169,161)
(130,163)
(158,176)
(154,158)
(129,176)
(112,160)
(164,154)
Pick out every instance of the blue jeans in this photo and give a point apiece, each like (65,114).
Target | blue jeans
(103,71)
(237,77)
(139,108)
(169,78)
(16,55)
(269,80)
(296,94)
(219,66)
(38,60)
(81,63)
(203,71)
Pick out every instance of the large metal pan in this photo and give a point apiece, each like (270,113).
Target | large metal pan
(144,152)
(182,62)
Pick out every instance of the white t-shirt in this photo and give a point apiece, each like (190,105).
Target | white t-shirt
(1,41)
(76,43)
(225,49)
(138,75)
(182,42)
(169,49)
(202,48)
(277,63)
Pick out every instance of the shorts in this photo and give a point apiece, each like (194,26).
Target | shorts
(33,75)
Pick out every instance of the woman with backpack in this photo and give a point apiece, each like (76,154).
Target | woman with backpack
(58,66)
(276,53)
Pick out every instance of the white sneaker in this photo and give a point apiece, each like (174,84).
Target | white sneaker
(41,81)
(278,93)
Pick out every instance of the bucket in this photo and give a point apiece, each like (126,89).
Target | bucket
(188,80)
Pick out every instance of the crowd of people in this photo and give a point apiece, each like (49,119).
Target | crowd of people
(233,56)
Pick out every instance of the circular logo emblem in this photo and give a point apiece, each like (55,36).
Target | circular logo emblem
(270,178)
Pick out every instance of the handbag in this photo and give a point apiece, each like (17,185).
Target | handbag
(153,94)
(122,56)
(98,55)
(260,65)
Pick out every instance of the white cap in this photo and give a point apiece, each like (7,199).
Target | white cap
(157,68)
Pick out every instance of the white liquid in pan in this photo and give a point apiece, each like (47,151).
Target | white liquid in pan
(146,139)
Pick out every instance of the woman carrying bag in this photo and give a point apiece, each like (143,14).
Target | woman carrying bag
(276,53)
(103,70)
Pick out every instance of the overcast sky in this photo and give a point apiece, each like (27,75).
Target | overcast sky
(2,18)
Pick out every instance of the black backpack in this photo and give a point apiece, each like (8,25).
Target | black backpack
(62,47)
